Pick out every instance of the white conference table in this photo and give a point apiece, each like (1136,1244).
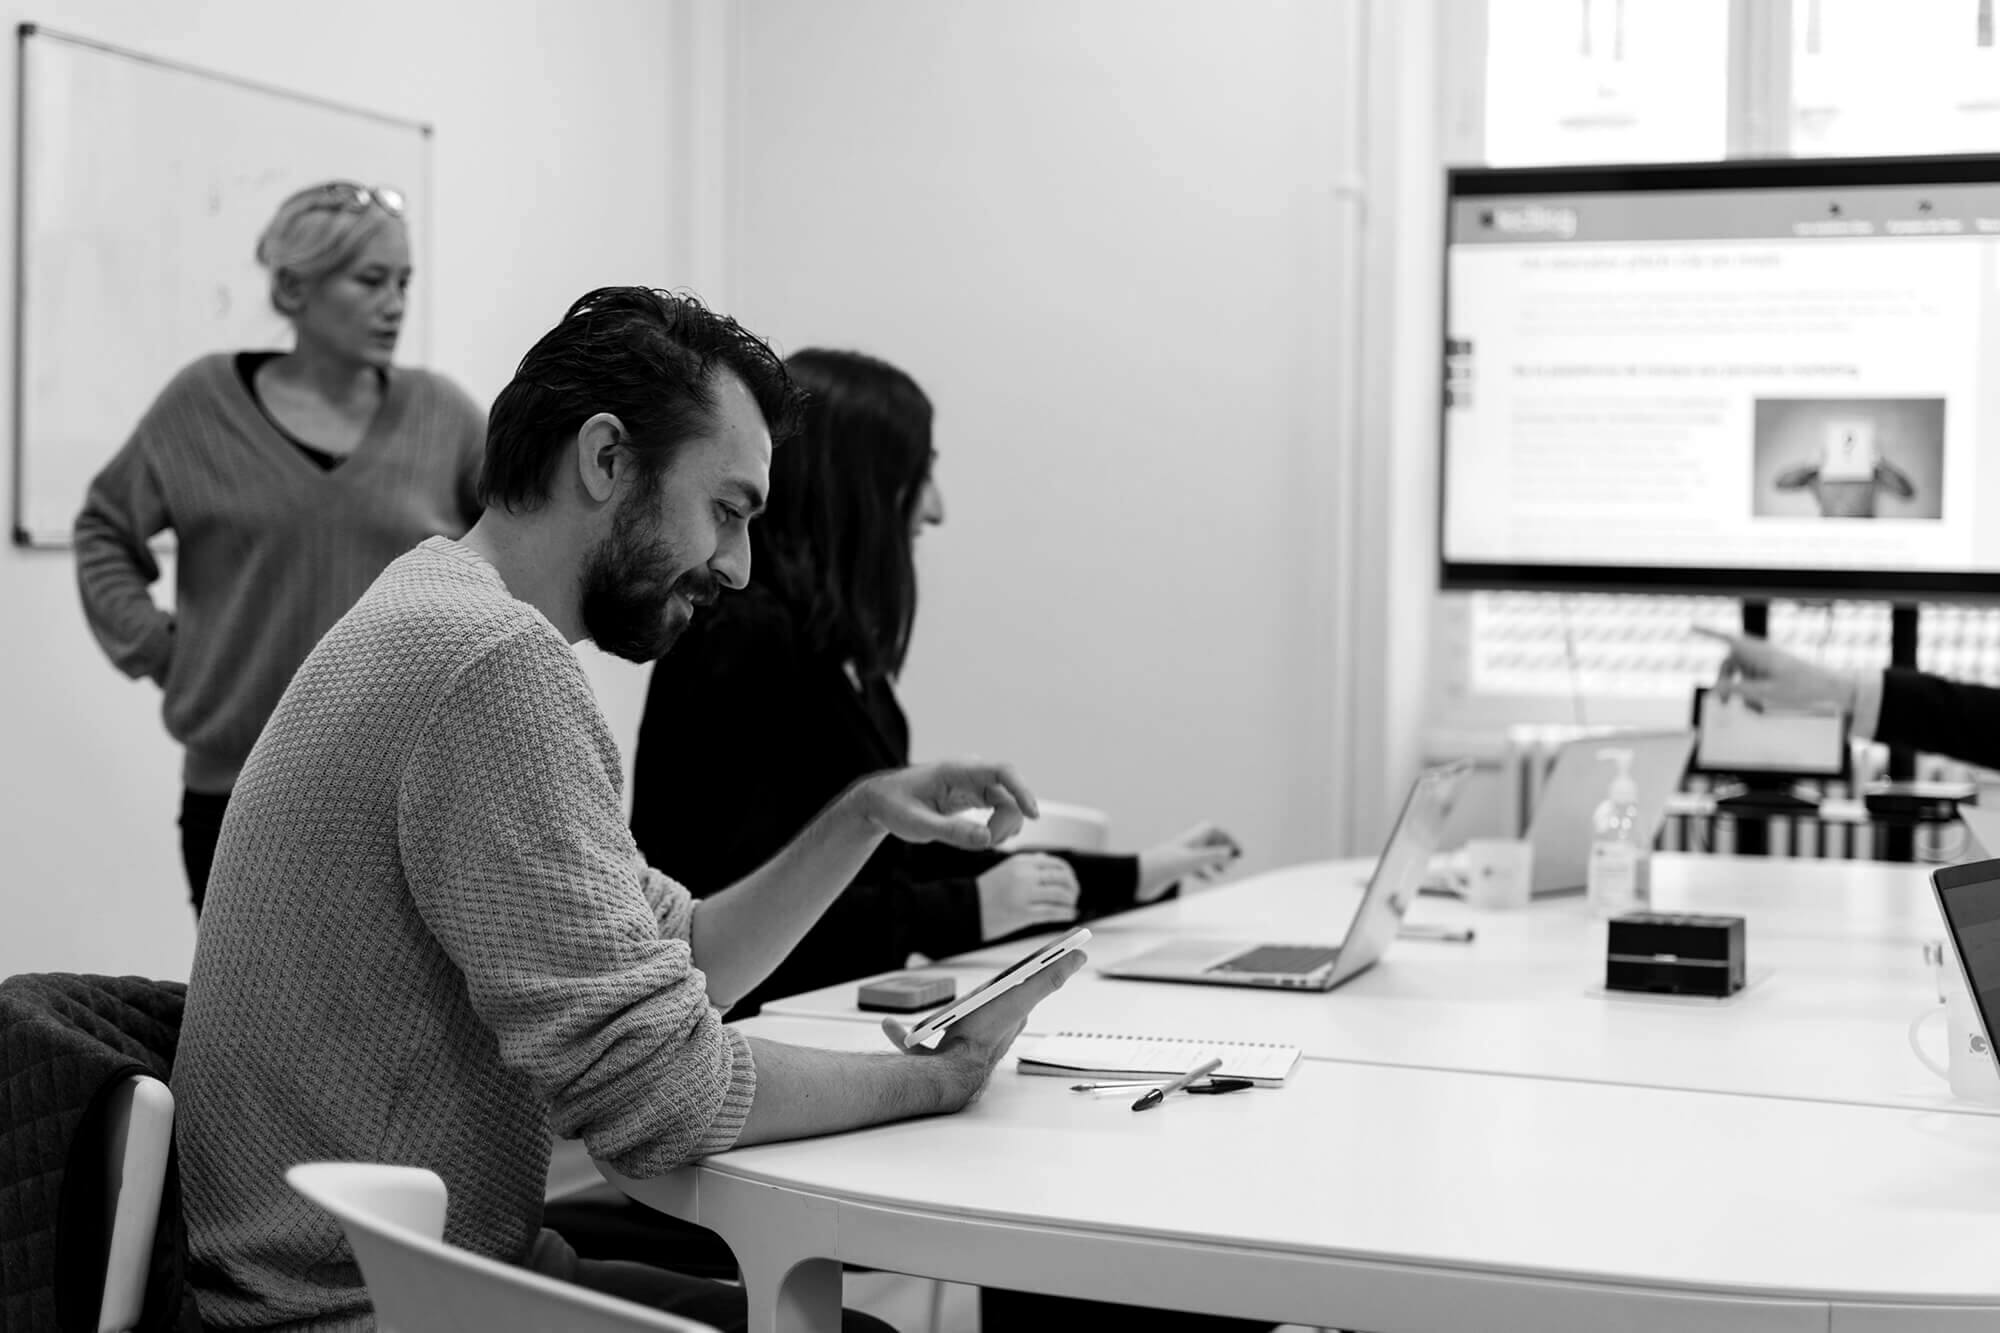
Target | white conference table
(1470,1144)
(1835,965)
(1382,1198)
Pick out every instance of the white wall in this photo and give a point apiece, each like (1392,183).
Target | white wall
(1120,241)
(1114,241)
(1407,135)
(560,127)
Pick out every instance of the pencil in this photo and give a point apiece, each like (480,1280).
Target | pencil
(1159,1094)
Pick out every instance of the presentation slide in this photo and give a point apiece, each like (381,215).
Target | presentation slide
(1747,379)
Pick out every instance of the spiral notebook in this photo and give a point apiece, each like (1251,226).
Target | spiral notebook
(1106,1055)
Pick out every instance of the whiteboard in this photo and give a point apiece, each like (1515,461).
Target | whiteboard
(143,187)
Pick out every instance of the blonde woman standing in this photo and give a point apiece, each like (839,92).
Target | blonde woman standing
(289,481)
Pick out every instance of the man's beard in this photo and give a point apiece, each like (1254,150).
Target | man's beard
(628,582)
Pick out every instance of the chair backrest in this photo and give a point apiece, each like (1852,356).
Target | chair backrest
(393,1217)
(1065,828)
(138,1136)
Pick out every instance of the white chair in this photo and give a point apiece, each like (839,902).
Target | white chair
(394,1220)
(1062,827)
(138,1135)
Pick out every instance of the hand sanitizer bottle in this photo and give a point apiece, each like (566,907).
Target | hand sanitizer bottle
(1619,879)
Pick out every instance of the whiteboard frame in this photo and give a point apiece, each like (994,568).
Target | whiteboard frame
(25,535)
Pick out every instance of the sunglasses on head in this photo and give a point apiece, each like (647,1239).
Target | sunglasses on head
(351,198)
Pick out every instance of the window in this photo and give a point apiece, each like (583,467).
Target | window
(1606,80)
(1919,76)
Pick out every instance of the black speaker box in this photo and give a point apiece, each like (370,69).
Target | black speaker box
(1675,954)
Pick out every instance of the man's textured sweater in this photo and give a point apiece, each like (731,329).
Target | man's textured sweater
(430,940)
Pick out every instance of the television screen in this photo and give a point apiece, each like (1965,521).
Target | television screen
(1767,377)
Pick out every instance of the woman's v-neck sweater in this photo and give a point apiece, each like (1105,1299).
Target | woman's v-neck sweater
(271,549)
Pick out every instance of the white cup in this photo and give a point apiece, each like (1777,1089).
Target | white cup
(1968,1065)
(1498,872)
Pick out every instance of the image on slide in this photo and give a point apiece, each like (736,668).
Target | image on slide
(1848,458)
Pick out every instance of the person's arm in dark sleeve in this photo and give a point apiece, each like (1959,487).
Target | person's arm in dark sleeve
(716,786)
(931,888)
(1954,718)
(1106,883)
(874,926)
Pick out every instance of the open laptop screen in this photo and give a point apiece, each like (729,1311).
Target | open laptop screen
(1969,897)
(1400,872)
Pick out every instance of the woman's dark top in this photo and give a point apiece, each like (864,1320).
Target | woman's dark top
(747,735)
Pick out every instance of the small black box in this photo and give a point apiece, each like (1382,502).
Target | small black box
(1920,802)
(905,993)
(1674,953)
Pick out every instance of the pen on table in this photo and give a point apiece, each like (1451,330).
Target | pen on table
(1159,1094)
(1447,934)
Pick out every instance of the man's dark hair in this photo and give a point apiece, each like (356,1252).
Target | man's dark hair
(835,542)
(648,357)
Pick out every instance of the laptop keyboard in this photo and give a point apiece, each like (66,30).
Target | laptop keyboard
(1297,958)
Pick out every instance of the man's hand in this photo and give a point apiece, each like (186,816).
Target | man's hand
(1028,889)
(1199,853)
(974,1044)
(923,803)
(1767,677)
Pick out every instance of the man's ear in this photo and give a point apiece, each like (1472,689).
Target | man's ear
(599,456)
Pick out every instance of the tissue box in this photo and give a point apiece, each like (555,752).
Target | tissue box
(1675,954)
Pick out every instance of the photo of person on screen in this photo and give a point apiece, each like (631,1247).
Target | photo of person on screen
(1848,458)
(1850,475)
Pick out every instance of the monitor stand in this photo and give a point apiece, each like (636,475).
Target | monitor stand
(1742,799)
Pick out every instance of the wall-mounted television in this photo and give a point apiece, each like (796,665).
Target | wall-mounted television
(1768,378)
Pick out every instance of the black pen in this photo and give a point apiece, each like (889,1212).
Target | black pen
(1159,1094)
(1219,1085)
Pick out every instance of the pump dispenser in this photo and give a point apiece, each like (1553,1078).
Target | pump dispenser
(1619,879)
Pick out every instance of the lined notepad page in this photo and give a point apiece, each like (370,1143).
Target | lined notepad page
(1106,1055)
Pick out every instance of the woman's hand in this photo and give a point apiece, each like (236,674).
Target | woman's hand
(1027,889)
(1201,852)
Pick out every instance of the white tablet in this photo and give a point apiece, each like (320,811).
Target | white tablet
(932,1029)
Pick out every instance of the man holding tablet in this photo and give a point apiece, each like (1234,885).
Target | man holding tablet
(429,937)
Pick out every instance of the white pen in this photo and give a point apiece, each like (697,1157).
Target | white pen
(1159,1094)
(1120,1086)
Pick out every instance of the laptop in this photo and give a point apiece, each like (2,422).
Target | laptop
(1321,967)
(1560,830)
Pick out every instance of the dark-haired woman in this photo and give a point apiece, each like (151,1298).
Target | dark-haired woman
(782,695)
(289,479)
